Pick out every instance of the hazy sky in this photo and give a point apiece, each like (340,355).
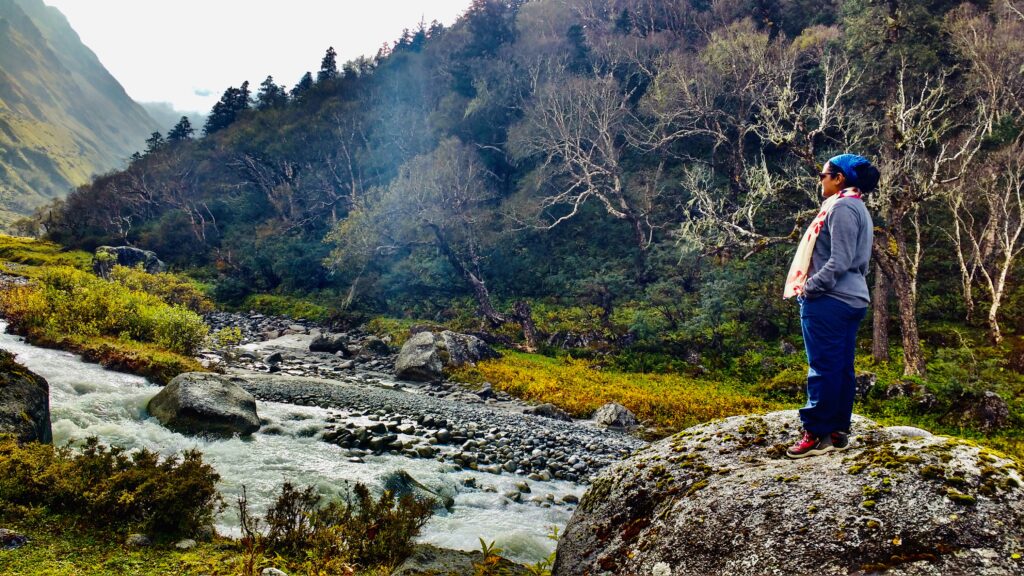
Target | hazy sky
(187,52)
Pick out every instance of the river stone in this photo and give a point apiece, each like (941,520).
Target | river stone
(107,257)
(428,560)
(463,349)
(614,415)
(374,346)
(330,343)
(272,572)
(202,403)
(400,483)
(418,359)
(722,498)
(24,402)
(549,410)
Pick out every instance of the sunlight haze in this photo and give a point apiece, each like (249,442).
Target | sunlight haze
(187,52)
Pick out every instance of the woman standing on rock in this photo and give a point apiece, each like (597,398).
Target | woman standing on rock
(828,278)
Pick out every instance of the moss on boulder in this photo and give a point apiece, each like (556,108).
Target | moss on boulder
(24,402)
(722,498)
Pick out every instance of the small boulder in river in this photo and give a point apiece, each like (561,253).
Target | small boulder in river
(614,415)
(424,356)
(330,343)
(202,403)
(109,256)
(400,483)
(24,402)
(722,498)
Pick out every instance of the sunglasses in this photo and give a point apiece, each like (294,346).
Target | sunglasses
(823,175)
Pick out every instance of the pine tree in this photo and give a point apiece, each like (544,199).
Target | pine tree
(232,103)
(182,131)
(243,98)
(155,142)
(328,66)
(270,95)
(305,83)
(579,57)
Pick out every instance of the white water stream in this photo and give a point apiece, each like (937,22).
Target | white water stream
(88,400)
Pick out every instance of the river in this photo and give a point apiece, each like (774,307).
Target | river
(88,400)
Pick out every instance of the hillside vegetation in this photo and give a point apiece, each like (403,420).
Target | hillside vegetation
(63,117)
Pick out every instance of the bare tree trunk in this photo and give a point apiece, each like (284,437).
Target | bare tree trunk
(998,289)
(522,314)
(880,317)
(902,287)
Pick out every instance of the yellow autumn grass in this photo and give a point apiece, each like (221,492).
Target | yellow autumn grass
(667,402)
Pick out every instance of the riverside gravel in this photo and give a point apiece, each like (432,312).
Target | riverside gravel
(477,436)
(482,430)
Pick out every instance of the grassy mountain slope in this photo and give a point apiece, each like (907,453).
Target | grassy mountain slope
(63,117)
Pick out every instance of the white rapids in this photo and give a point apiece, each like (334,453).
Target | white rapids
(88,400)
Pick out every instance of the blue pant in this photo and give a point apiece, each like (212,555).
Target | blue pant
(830,335)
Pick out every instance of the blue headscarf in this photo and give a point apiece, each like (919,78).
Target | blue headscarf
(858,171)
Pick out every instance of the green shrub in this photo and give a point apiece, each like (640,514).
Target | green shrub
(291,306)
(367,532)
(29,256)
(108,487)
(68,302)
(394,328)
(177,329)
(168,287)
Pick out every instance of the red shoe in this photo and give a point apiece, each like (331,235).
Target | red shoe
(810,445)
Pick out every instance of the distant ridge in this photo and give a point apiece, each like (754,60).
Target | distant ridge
(63,117)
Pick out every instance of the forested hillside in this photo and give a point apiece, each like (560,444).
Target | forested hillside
(63,117)
(644,165)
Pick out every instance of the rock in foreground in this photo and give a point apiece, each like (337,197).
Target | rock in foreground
(201,403)
(427,560)
(24,402)
(722,498)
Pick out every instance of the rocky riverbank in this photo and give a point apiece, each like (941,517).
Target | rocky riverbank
(373,412)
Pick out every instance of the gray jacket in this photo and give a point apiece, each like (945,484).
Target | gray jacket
(839,263)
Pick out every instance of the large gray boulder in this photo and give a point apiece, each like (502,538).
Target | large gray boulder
(24,402)
(419,360)
(722,498)
(463,349)
(107,257)
(425,355)
(202,403)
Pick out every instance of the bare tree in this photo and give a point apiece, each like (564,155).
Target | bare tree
(442,199)
(763,110)
(929,143)
(991,242)
(986,208)
(580,128)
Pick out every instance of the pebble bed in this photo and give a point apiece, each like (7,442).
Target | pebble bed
(372,412)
